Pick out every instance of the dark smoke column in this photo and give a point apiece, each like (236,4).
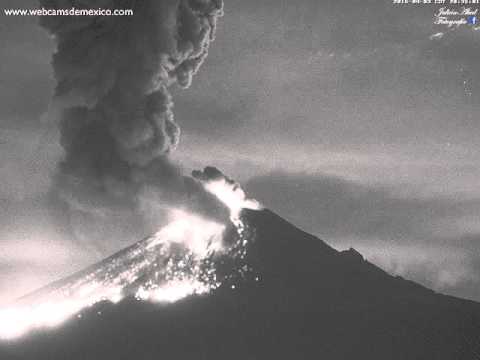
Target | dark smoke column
(117,125)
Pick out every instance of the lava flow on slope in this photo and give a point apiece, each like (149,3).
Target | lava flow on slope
(181,259)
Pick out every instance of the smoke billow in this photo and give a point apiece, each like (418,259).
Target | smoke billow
(117,127)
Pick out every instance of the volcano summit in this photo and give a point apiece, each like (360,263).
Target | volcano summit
(221,277)
(286,295)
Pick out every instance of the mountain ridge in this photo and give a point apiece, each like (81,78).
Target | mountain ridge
(301,298)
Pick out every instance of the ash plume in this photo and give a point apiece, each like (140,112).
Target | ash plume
(116,125)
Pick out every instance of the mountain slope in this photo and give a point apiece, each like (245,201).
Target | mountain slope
(299,299)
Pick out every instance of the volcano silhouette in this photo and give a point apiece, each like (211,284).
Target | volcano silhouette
(301,299)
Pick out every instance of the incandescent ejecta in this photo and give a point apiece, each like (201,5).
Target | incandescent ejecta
(179,260)
(117,129)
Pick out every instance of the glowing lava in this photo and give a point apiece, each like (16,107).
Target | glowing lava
(170,265)
(227,191)
(232,195)
(176,262)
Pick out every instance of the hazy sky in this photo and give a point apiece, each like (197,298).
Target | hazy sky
(348,118)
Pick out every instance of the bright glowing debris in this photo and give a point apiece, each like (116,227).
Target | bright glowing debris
(232,195)
(176,262)
(52,311)
(172,264)
(229,192)
(174,291)
(199,235)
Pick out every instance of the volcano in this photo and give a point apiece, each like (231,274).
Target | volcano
(288,295)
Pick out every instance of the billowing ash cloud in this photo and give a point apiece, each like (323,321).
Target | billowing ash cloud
(117,126)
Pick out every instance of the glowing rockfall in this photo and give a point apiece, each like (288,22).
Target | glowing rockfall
(170,265)
(227,191)
(177,261)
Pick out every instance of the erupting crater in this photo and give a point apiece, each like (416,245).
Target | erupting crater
(177,261)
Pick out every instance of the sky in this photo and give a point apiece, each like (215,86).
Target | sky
(356,121)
